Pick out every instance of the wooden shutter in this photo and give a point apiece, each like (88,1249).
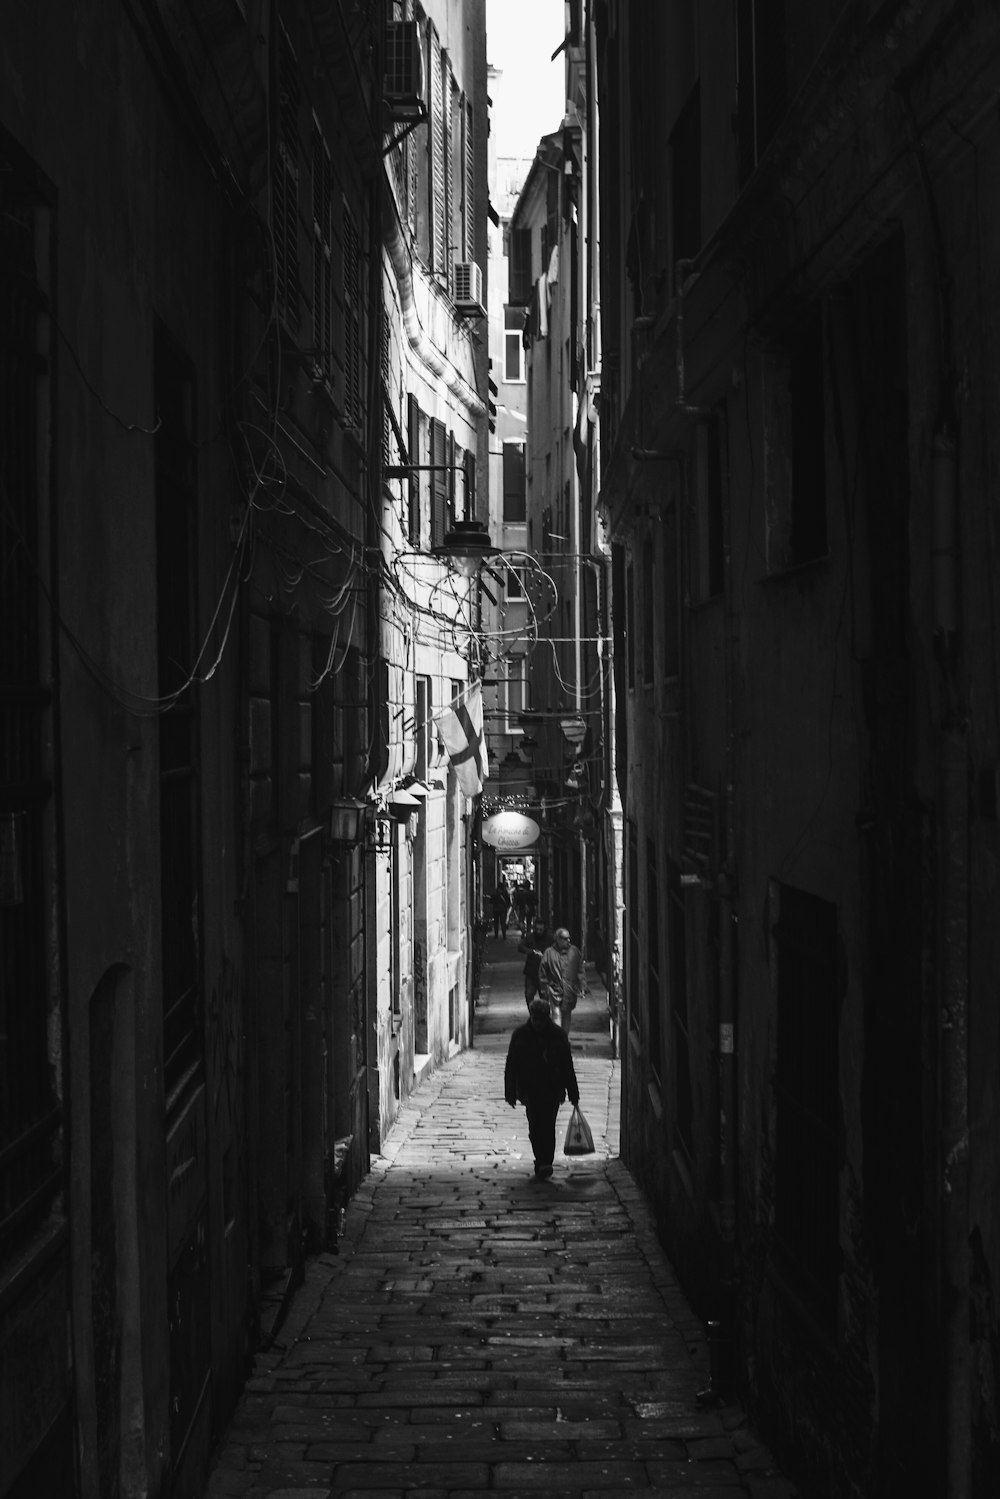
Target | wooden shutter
(437,143)
(439,482)
(413,454)
(447,143)
(469,184)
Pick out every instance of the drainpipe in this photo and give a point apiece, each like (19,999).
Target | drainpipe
(954,1018)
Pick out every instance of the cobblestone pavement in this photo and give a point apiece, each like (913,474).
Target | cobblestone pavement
(482,1331)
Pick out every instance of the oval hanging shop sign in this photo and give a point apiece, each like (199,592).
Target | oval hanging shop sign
(510,830)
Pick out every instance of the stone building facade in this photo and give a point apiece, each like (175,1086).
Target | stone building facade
(797,415)
(217,931)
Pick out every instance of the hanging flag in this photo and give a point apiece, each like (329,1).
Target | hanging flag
(461,729)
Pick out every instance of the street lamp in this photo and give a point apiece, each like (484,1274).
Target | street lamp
(347,817)
(466,546)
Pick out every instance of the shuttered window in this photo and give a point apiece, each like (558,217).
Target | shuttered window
(679,1021)
(469,176)
(413,453)
(285,182)
(520,267)
(322,258)
(440,488)
(353,370)
(438,201)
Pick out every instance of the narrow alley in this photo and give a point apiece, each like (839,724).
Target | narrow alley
(481,1330)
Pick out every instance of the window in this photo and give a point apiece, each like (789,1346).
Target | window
(648,629)
(708,564)
(285,182)
(679,1032)
(424,727)
(671,595)
(442,487)
(322,259)
(30,1176)
(413,450)
(513,581)
(469,485)
(630,624)
(685,178)
(807,534)
(514,691)
(354,383)
(654,998)
(440,99)
(514,483)
(632,916)
(175,488)
(762,85)
(520,277)
(469,185)
(807,1094)
(513,342)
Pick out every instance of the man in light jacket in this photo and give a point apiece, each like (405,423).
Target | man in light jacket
(560,977)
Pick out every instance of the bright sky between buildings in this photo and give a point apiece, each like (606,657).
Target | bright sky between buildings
(528,101)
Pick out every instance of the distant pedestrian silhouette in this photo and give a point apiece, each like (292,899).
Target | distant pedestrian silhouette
(500,900)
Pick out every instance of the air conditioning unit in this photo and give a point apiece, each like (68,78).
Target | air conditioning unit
(469,287)
(404,71)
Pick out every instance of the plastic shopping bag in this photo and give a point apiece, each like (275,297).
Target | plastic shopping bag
(579,1140)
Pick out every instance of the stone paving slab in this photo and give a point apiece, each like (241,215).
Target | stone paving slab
(484,1332)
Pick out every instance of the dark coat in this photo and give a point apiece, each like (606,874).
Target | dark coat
(540,1066)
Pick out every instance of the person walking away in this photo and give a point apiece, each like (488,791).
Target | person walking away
(533,943)
(501,904)
(539,1073)
(560,977)
(525,902)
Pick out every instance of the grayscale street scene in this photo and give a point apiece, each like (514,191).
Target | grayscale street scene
(499,749)
(482,1331)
